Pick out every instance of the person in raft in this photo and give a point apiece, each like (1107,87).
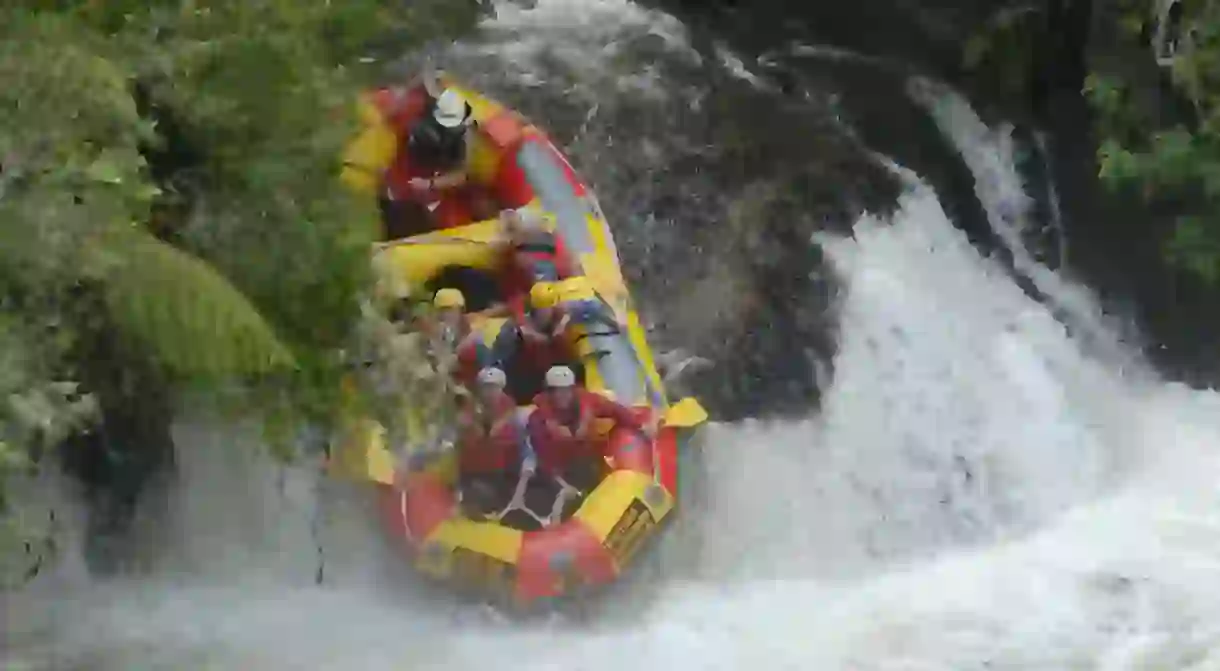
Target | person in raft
(562,431)
(491,459)
(535,338)
(458,349)
(530,251)
(543,327)
(426,186)
(448,324)
(404,106)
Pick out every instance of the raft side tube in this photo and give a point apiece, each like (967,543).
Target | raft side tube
(618,367)
(366,158)
(413,261)
(587,550)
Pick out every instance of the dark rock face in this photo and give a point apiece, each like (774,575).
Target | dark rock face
(1115,241)
(118,460)
(715,184)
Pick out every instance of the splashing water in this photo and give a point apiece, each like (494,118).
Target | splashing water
(980,491)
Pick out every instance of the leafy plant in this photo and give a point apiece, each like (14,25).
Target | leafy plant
(168,176)
(1177,168)
(1002,47)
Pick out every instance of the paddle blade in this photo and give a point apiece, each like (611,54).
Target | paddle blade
(685,414)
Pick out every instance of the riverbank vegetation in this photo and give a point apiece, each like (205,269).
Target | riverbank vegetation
(1156,124)
(171,217)
(1171,160)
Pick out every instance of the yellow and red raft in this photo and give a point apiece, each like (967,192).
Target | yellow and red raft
(595,544)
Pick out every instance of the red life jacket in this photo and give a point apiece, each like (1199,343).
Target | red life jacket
(403,110)
(402,107)
(471,357)
(398,181)
(555,449)
(490,444)
(540,354)
(544,258)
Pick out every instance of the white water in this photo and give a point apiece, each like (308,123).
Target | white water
(978,492)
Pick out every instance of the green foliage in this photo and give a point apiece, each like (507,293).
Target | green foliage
(1006,28)
(1172,165)
(1120,120)
(1177,169)
(168,172)
(1195,247)
(190,299)
(36,411)
(1000,51)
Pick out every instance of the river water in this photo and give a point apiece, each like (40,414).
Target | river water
(993,479)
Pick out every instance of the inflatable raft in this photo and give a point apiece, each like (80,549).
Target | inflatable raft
(507,561)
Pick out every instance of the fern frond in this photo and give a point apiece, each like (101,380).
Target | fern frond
(190,316)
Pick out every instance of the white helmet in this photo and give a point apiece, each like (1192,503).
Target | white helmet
(560,376)
(492,375)
(450,109)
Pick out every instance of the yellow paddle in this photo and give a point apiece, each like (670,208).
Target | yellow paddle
(685,414)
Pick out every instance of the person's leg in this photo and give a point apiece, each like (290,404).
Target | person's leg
(585,474)
(478,494)
(505,485)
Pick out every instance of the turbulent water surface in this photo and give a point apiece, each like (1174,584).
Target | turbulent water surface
(992,480)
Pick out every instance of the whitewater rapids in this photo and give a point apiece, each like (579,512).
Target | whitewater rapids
(981,490)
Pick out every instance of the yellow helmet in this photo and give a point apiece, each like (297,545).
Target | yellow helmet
(448,298)
(577,287)
(544,295)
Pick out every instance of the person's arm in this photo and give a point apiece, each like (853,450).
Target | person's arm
(557,430)
(621,414)
(496,310)
(440,182)
(470,342)
(449,180)
(588,413)
(561,326)
(506,414)
(531,332)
